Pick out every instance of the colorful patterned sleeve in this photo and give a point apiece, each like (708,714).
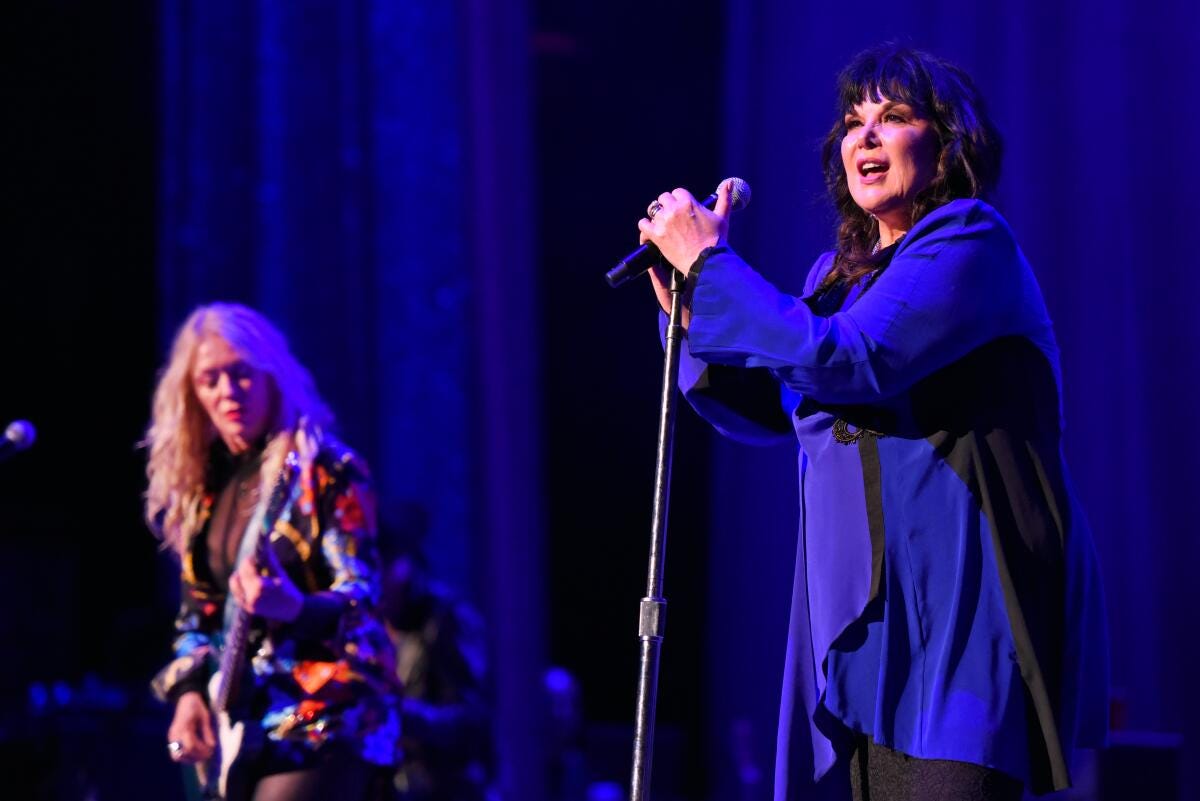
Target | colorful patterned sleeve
(345,505)
(195,653)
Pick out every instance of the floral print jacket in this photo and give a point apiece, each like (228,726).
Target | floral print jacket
(329,674)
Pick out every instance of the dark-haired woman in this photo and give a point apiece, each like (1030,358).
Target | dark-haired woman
(948,635)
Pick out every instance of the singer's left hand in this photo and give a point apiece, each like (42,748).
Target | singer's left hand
(272,596)
(683,227)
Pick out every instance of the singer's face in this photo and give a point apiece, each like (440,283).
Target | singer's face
(890,154)
(237,396)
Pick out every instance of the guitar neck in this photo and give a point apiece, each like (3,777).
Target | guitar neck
(233,658)
(233,655)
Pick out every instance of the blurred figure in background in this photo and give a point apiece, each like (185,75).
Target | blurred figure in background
(569,770)
(441,658)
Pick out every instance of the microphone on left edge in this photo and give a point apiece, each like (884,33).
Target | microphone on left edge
(18,436)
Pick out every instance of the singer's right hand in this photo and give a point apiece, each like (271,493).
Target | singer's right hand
(192,728)
(683,227)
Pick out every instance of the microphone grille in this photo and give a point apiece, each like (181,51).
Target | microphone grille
(739,194)
(21,434)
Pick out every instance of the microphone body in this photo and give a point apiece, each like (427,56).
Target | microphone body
(633,265)
(19,436)
(645,257)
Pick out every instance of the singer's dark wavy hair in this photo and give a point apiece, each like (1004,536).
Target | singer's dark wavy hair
(969,147)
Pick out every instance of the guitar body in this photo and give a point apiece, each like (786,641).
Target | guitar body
(226,776)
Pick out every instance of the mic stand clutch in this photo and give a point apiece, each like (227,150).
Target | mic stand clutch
(652,619)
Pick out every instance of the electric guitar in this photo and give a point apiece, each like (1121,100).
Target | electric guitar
(224,775)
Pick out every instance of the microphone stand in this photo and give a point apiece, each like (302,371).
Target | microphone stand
(652,618)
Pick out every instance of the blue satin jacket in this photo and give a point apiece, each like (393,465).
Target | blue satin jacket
(947,599)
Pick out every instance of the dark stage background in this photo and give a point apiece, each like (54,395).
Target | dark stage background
(425,196)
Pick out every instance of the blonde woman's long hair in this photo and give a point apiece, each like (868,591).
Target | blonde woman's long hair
(180,433)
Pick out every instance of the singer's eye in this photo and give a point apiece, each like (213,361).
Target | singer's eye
(852,123)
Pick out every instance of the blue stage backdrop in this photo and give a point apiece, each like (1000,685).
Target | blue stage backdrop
(361,171)
(358,171)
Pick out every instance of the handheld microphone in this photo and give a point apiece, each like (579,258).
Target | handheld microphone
(19,436)
(642,259)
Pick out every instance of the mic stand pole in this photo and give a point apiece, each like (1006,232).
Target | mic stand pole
(652,619)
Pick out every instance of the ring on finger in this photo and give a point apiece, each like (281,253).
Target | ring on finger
(175,749)
(653,208)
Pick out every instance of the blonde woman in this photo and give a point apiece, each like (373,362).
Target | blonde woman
(237,444)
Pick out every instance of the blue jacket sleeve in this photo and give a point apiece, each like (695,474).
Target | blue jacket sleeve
(742,404)
(957,281)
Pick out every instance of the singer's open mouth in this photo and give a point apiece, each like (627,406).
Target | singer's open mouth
(872,167)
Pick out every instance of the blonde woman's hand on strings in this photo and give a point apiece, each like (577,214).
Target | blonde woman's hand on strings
(266,592)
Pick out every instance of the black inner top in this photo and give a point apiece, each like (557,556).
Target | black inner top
(236,481)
